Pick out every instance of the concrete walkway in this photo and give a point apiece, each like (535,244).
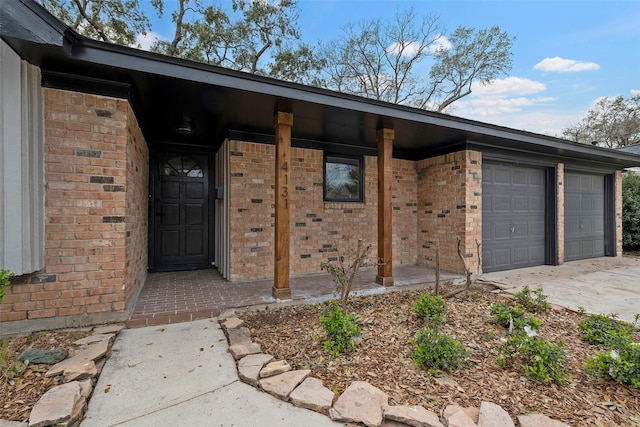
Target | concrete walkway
(182,375)
(600,285)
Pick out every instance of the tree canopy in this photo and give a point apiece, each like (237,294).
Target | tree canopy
(611,122)
(406,59)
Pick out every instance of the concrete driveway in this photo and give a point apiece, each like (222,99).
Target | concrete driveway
(601,285)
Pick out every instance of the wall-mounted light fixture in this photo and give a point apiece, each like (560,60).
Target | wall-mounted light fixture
(185,127)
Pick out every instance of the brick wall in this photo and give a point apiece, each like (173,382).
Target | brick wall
(316,227)
(96,164)
(450,207)
(560,211)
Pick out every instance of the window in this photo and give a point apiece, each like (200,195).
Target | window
(181,166)
(343,179)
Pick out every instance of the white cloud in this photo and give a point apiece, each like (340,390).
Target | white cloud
(145,41)
(562,65)
(635,92)
(510,86)
(441,43)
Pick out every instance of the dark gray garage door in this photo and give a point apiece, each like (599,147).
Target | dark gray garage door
(583,216)
(513,216)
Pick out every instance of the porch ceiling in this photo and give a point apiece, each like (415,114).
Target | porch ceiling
(164,89)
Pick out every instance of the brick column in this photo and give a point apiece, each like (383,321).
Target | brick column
(385,222)
(283,124)
(560,212)
(618,214)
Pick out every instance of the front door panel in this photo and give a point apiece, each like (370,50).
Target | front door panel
(181,212)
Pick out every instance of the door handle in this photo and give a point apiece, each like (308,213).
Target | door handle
(513,229)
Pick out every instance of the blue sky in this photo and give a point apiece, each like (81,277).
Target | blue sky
(566,55)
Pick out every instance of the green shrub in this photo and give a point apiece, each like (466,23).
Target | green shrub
(532,301)
(431,309)
(341,329)
(631,211)
(437,351)
(504,315)
(604,330)
(622,364)
(5,275)
(539,360)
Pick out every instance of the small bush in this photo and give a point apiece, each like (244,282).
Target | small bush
(437,351)
(539,360)
(532,301)
(5,275)
(604,330)
(431,309)
(341,330)
(622,364)
(505,315)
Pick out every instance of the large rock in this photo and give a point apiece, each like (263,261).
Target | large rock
(5,423)
(227,314)
(80,372)
(95,338)
(458,419)
(539,420)
(56,406)
(239,336)
(492,415)
(275,368)
(91,352)
(249,367)
(232,323)
(360,403)
(239,351)
(108,329)
(471,411)
(47,357)
(282,385)
(415,416)
(311,394)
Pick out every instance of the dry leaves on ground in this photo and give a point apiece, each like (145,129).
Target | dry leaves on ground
(21,389)
(294,333)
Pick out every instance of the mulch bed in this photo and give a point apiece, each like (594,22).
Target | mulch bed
(294,334)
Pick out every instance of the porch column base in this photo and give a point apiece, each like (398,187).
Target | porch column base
(281,293)
(384,280)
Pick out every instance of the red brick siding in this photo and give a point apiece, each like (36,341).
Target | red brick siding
(450,207)
(87,230)
(560,211)
(316,227)
(618,219)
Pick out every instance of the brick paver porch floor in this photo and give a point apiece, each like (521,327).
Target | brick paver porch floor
(183,296)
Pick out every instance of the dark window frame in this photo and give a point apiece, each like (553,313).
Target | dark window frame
(344,159)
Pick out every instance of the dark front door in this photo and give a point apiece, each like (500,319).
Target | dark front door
(181,209)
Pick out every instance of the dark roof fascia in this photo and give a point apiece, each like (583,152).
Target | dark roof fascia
(25,21)
(635,149)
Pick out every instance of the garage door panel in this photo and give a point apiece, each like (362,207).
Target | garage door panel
(584,216)
(513,216)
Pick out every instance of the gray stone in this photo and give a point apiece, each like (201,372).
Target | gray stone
(471,411)
(239,351)
(95,338)
(539,420)
(56,405)
(458,419)
(108,329)
(83,355)
(239,336)
(360,403)
(47,357)
(275,368)
(232,323)
(391,423)
(282,385)
(80,372)
(415,416)
(249,367)
(311,394)
(492,415)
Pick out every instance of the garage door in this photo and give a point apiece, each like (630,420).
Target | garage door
(583,216)
(513,216)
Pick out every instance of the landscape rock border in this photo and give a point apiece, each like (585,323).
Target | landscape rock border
(64,405)
(361,402)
